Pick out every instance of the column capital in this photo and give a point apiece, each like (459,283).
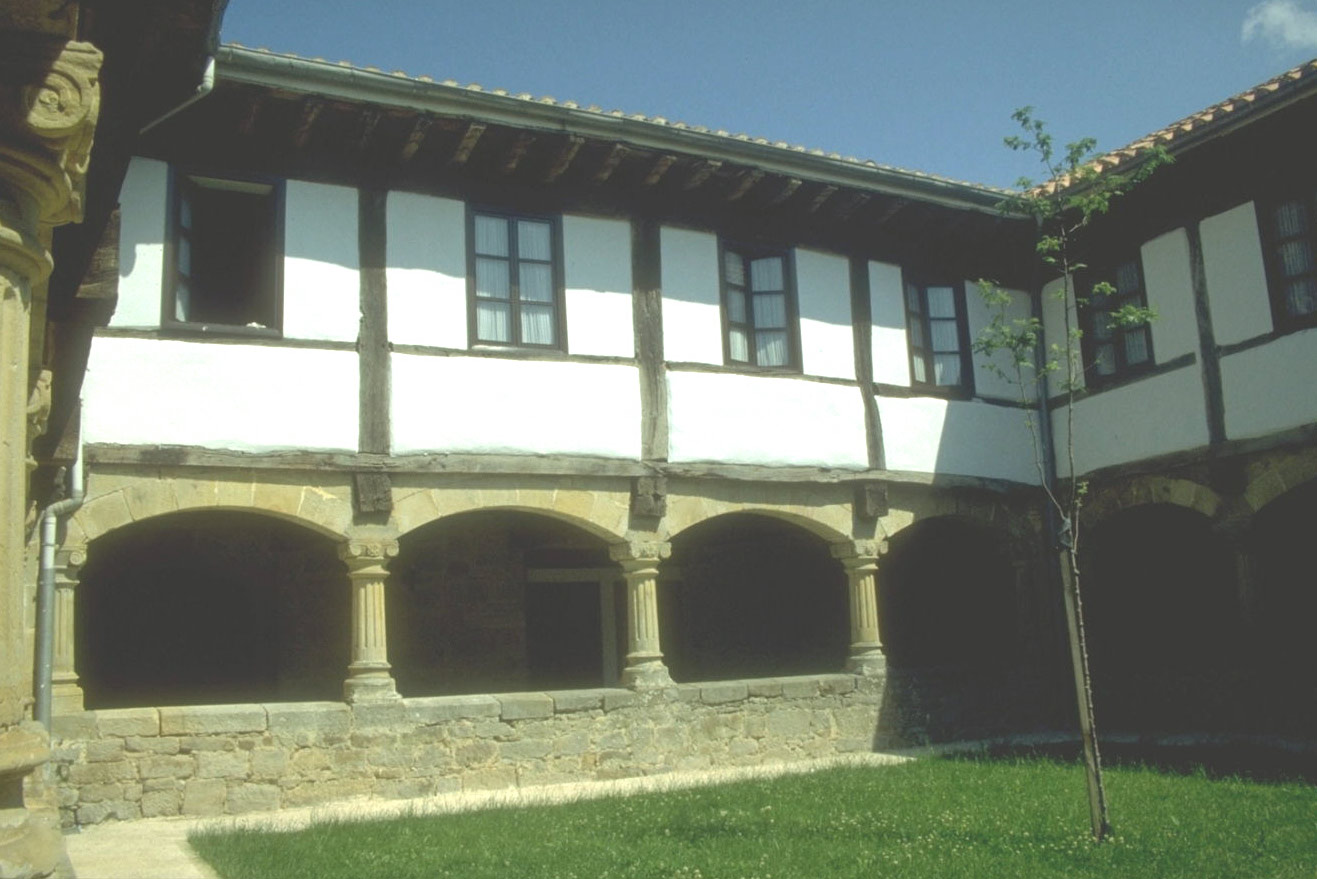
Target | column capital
(859,553)
(640,552)
(367,553)
(70,559)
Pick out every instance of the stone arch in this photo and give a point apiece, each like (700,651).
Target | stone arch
(830,519)
(602,513)
(115,500)
(1142,490)
(1278,476)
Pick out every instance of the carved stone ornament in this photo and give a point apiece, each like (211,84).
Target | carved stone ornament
(651,550)
(38,413)
(363,552)
(859,549)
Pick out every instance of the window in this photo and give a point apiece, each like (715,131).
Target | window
(516,289)
(939,335)
(759,307)
(1289,236)
(1113,352)
(225,254)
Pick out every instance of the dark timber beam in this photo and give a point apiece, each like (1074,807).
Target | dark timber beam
(862,327)
(370,120)
(853,203)
(744,185)
(516,153)
(659,168)
(373,337)
(563,160)
(647,299)
(789,187)
(820,197)
(611,161)
(468,143)
(247,126)
(306,120)
(703,171)
(420,126)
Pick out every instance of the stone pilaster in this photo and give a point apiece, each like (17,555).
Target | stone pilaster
(860,559)
(49,100)
(644,657)
(368,674)
(65,693)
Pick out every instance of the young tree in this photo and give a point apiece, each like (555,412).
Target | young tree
(1075,191)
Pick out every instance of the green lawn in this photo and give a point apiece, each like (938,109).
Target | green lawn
(932,818)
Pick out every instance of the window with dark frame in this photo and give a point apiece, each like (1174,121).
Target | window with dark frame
(939,336)
(516,291)
(1289,235)
(759,307)
(1113,352)
(226,247)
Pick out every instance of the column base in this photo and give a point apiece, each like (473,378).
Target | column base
(370,685)
(651,675)
(867,662)
(65,698)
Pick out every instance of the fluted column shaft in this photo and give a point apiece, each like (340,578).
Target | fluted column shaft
(644,658)
(66,694)
(368,671)
(860,559)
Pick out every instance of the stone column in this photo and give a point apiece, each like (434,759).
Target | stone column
(860,559)
(644,658)
(65,694)
(49,100)
(368,674)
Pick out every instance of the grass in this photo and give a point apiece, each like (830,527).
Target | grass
(931,818)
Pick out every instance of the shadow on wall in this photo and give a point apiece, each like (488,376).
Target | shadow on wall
(748,595)
(211,607)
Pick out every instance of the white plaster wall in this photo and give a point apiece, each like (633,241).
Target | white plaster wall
(930,435)
(748,419)
(1236,275)
(891,352)
(496,405)
(597,277)
(322,286)
(823,294)
(250,398)
(1270,387)
(1170,292)
(692,315)
(1054,328)
(1152,416)
(142,202)
(426,273)
(987,382)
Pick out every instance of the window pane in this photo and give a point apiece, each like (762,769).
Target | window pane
(1104,359)
(184,256)
(1301,296)
(182,301)
(737,346)
(536,282)
(734,268)
(1136,346)
(1296,257)
(1102,325)
(912,298)
(917,333)
(771,348)
(493,322)
(185,210)
(736,306)
(770,310)
(537,324)
(1127,278)
(1291,219)
(492,278)
(917,366)
(946,369)
(533,240)
(941,302)
(766,274)
(945,337)
(492,236)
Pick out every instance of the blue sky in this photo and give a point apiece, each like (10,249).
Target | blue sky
(928,86)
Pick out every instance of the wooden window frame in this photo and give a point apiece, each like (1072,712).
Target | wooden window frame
(1271,241)
(925,353)
(748,252)
(1122,369)
(180,178)
(556,272)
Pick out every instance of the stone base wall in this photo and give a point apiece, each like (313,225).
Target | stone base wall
(235,759)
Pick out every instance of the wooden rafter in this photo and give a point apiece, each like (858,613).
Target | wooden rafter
(658,169)
(745,183)
(611,161)
(420,125)
(247,127)
(370,119)
(853,203)
(894,207)
(789,187)
(563,160)
(820,197)
(468,143)
(703,171)
(306,120)
(517,152)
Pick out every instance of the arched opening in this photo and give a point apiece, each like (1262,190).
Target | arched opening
(210,607)
(946,597)
(499,600)
(1282,604)
(1161,614)
(748,595)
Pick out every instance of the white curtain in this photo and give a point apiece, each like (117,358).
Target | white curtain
(493,321)
(771,348)
(536,324)
(770,310)
(492,236)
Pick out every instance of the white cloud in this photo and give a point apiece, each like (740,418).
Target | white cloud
(1282,24)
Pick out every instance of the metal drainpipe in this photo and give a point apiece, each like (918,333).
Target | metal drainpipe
(207,83)
(45,634)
